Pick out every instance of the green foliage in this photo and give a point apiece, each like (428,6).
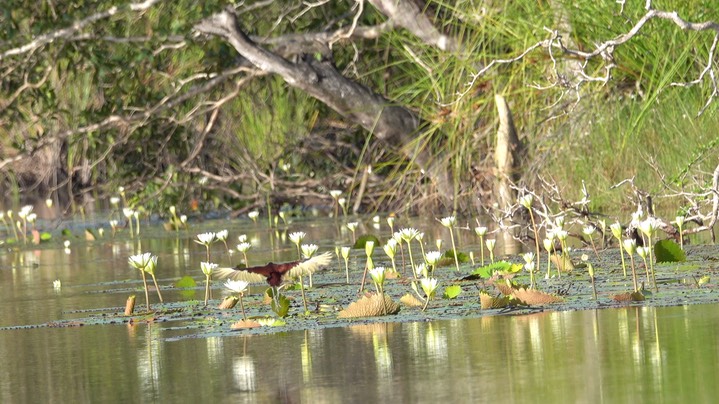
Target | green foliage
(165,158)
(461,257)
(668,251)
(363,239)
(452,291)
(500,266)
(280,305)
(186,282)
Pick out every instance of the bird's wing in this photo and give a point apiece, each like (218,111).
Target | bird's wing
(311,265)
(239,275)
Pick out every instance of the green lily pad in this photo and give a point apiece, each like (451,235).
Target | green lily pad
(669,251)
(363,239)
(186,282)
(452,291)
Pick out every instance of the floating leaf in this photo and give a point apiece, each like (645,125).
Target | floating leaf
(449,255)
(500,266)
(90,235)
(281,308)
(505,286)
(669,251)
(452,291)
(534,297)
(245,324)
(488,301)
(228,302)
(45,236)
(363,239)
(410,300)
(628,297)
(271,322)
(563,262)
(371,306)
(186,282)
(66,233)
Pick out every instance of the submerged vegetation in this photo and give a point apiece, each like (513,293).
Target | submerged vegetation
(144,101)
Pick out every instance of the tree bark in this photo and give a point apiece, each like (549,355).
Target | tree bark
(317,76)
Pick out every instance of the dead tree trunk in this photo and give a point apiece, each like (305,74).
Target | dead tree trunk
(318,77)
(507,156)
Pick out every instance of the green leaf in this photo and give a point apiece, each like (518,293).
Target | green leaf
(500,266)
(283,307)
(669,251)
(186,282)
(361,240)
(66,233)
(452,291)
(461,257)
(45,236)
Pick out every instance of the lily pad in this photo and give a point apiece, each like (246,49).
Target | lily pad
(363,239)
(452,291)
(370,306)
(669,251)
(186,282)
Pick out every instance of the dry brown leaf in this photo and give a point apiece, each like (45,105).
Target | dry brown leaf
(410,300)
(488,301)
(505,287)
(245,324)
(535,297)
(370,307)
(228,302)
(628,297)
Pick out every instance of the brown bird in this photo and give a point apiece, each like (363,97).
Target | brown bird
(276,274)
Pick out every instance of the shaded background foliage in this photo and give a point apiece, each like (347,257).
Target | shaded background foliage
(141,100)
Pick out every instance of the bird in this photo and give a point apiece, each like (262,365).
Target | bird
(275,274)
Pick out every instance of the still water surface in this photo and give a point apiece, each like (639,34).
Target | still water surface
(633,354)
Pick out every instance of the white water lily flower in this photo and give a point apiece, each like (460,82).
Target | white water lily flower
(390,248)
(206,238)
(244,247)
(24,211)
(207,267)
(616,229)
(369,247)
(335,193)
(408,234)
(548,244)
(114,200)
(127,212)
(630,245)
(490,243)
(222,235)
(139,261)
(643,252)
(297,237)
(433,257)
(429,286)
(528,257)
(253,215)
(481,231)
(649,226)
(377,274)
(352,226)
(448,221)
(526,201)
(588,230)
(236,286)
(308,250)
(561,235)
(345,252)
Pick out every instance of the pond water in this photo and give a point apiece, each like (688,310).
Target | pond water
(642,354)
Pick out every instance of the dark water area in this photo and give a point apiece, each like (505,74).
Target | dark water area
(626,354)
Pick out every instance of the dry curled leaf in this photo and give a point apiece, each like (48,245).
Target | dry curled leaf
(628,297)
(533,297)
(228,302)
(245,324)
(505,287)
(370,307)
(488,301)
(411,301)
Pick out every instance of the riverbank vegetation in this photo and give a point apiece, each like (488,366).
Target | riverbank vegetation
(169,101)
